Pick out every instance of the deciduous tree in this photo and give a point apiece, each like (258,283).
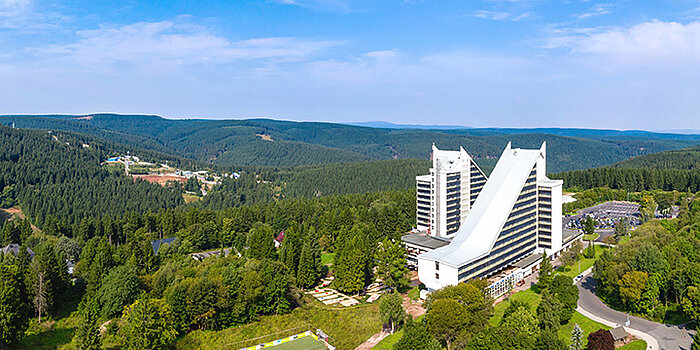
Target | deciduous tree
(600,340)
(391,310)
(447,320)
(148,324)
(632,286)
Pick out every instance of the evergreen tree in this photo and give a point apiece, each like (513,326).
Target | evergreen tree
(307,274)
(352,263)
(48,277)
(315,248)
(23,260)
(291,250)
(41,293)
(545,277)
(589,225)
(566,292)
(260,242)
(548,312)
(14,303)
(620,229)
(576,338)
(391,264)
(87,335)
(119,288)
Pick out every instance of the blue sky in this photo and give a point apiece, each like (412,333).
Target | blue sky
(507,63)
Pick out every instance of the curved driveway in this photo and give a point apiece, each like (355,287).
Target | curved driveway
(668,337)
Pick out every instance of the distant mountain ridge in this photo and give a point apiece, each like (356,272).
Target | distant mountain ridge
(573,132)
(682,159)
(275,143)
(388,125)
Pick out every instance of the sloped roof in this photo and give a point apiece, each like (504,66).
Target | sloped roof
(14,249)
(618,333)
(480,229)
(159,243)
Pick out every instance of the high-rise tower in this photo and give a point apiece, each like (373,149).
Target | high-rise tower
(445,196)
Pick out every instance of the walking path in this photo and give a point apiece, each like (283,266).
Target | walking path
(373,341)
(657,336)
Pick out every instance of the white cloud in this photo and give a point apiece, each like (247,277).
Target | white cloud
(596,10)
(13,3)
(522,16)
(492,15)
(383,54)
(499,15)
(656,39)
(323,5)
(177,43)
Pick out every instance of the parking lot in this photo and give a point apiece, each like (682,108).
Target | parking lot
(606,215)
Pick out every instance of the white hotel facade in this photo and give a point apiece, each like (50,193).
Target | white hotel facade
(445,196)
(506,223)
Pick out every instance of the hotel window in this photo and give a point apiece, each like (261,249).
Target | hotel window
(437,266)
(437,276)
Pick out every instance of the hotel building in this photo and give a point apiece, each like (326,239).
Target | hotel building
(516,218)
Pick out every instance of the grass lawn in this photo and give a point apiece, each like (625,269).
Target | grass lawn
(635,345)
(586,324)
(347,327)
(533,299)
(414,293)
(528,296)
(59,335)
(189,198)
(305,343)
(573,270)
(388,342)
(236,337)
(592,237)
(327,258)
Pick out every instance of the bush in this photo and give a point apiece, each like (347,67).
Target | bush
(600,340)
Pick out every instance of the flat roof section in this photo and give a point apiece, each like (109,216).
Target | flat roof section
(568,234)
(528,260)
(425,240)
(424,178)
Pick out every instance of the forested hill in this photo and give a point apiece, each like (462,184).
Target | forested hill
(54,175)
(688,158)
(264,142)
(670,170)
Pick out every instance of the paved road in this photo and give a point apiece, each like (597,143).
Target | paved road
(669,337)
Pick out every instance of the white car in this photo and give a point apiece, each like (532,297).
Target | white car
(578,278)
